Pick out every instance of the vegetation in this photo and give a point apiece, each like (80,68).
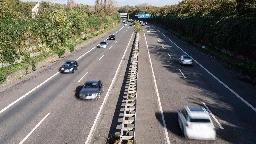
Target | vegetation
(55,29)
(225,27)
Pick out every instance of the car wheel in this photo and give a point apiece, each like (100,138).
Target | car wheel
(73,71)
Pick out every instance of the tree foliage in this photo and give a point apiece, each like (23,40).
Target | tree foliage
(55,28)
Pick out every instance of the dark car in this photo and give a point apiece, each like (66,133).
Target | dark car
(69,66)
(92,89)
(112,37)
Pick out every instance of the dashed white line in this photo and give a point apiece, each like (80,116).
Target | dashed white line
(157,93)
(85,53)
(169,55)
(83,77)
(163,47)
(4,109)
(89,137)
(116,42)
(231,90)
(182,74)
(213,116)
(101,57)
(110,47)
(34,129)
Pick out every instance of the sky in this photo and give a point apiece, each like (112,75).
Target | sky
(120,2)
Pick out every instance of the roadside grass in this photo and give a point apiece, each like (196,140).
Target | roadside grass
(28,66)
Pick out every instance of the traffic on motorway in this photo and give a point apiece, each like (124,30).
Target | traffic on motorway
(181,87)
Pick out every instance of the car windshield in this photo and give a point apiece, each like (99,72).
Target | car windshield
(199,120)
(91,85)
(103,43)
(68,64)
(112,36)
(187,57)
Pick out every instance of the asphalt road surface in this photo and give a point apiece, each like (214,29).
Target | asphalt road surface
(44,108)
(171,86)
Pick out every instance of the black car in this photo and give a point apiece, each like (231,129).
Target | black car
(69,66)
(112,37)
(92,89)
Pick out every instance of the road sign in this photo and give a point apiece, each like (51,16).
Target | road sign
(144,15)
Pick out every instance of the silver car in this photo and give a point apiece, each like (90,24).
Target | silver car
(185,60)
(92,89)
(196,123)
(102,44)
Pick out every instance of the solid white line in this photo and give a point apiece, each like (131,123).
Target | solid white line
(34,129)
(85,53)
(116,42)
(4,109)
(231,90)
(101,57)
(164,35)
(110,47)
(163,47)
(89,137)
(213,116)
(182,74)
(157,93)
(83,76)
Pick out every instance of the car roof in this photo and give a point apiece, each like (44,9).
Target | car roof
(91,81)
(197,112)
(186,56)
(70,61)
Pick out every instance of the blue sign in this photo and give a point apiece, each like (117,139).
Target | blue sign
(144,15)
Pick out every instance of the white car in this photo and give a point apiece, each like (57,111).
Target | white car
(185,60)
(196,123)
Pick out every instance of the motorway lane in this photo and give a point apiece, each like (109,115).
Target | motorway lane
(69,119)
(198,86)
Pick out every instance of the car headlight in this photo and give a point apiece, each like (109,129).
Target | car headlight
(62,68)
(71,69)
(95,94)
(81,95)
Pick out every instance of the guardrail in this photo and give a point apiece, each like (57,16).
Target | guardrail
(128,108)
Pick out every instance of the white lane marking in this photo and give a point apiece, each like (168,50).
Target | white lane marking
(85,53)
(164,35)
(157,93)
(101,57)
(231,90)
(4,109)
(126,30)
(163,47)
(213,116)
(83,76)
(89,137)
(158,30)
(169,55)
(34,129)
(110,47)
(182,74)
(116,42)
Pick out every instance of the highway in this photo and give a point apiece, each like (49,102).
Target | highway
(43,107)
(172,86)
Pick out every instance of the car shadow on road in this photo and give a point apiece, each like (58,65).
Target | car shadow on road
(78,89)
